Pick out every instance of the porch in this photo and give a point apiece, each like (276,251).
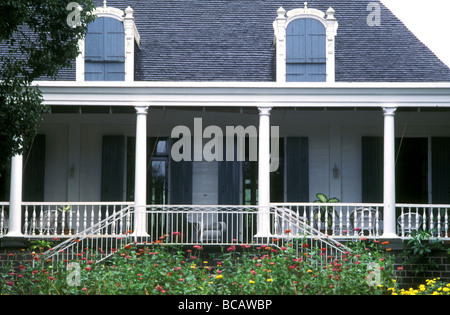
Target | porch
(341,139)
(226,225)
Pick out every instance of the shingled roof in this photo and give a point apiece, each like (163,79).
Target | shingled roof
(232,40)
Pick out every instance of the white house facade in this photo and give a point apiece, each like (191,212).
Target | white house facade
(232,127)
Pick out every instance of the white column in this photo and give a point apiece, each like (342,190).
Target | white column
(140,188)
(264,173)
(15,201)
(389,173)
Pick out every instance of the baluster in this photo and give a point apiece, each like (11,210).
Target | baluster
(402,221)
(63,220)
(424,224)
(431,219)
(417,219)
(27,222)
(113,225)
(41,221)
(446,223)
(93,217)
(1,221)
(77,221)
(69,226)
(84,219)
(439,223)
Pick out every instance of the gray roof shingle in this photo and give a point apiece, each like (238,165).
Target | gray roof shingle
(232,40)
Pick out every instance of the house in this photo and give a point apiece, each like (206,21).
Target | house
(185,107)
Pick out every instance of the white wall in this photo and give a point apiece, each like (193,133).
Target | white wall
(65,148)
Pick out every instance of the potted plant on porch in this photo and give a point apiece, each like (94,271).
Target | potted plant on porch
(325,215)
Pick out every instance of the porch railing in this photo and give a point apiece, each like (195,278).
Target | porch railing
(66,219)
(228,224)
(349,220)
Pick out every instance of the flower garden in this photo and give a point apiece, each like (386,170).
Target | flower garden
(156,269)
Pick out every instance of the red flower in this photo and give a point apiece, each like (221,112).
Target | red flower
(128,247)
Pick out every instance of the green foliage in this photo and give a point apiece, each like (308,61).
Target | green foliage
(239,270)
(42,245)
(38,42)
(325,213)
(418,251)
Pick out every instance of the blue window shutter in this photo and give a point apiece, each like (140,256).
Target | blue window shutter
(296,39)
(94,41)
(105,51)
(305,51)
(94,71)
(114,40)
(114,71)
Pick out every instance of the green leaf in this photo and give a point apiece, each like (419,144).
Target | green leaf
(322,197)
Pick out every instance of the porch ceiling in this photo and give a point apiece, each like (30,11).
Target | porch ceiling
(241,94)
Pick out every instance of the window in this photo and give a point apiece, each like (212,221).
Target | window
(304,40)
(105,51)
(305,51)
(108,50)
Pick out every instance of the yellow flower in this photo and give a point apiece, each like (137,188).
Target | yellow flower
(219,277)
(269,280)
(251,281)
(309,270)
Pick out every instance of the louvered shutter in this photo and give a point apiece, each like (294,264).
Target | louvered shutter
(440,151)
(34,171)
(105,51)
(112,168)
(94,41)
(305,51)
(372,169)
(297,169)
(180,182)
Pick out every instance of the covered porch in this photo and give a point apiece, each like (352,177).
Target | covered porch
(346,127)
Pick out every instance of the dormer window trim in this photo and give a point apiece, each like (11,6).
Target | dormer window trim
(280,25)
(132,38)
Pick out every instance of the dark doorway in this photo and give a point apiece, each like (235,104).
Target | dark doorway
(412,170)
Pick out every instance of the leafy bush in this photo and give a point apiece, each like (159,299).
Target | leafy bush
(242,269)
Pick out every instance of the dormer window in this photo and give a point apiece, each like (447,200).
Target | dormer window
(305,51)
(305,45)
(107,52)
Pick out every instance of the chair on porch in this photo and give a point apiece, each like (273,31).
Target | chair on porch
(207,227)
(4,222)
(49,219)
(367,220)
(409,222)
